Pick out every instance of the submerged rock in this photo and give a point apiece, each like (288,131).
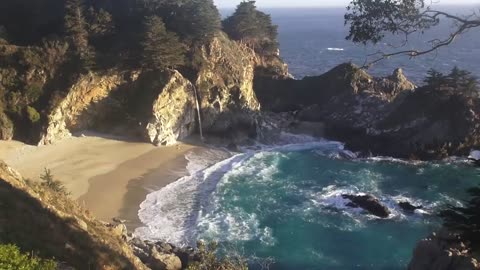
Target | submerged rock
(408,207)
(368,203)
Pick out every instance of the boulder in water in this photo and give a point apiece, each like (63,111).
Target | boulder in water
(368,203)
(408,207)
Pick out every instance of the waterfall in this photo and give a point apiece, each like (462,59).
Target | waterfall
(198,112)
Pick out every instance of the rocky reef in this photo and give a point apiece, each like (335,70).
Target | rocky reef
(369,203)
(382,116)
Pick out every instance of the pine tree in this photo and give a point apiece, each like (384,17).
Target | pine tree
(161,49)
(253,28)
(196,20)
(76,30)
(435,79)
(463,81)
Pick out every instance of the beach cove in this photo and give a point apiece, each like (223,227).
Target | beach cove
(109,176)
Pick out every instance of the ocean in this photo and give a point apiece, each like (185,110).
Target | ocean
(312,41)
(282,202)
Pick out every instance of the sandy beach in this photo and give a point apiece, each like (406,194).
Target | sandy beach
(110,176)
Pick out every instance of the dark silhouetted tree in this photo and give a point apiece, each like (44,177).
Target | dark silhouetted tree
(466,220)
(435,79)
(76,29)
(195,20)
(253,28)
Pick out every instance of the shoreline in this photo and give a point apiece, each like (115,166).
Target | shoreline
(110,176)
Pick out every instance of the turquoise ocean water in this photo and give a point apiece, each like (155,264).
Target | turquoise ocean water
(285,203)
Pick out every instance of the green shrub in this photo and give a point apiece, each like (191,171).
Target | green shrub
(48,181)
(12,259)
(33,115)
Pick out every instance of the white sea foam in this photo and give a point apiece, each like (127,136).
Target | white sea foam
(176,212)
(194,205)
(335,49)
(172,213)
(331,198)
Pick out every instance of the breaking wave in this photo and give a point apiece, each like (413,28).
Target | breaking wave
(262,197)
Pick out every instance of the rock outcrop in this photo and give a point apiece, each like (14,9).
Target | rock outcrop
(174,112)
(442,251)
(41,220)
(161,106)
(383,116)
(156,106)
(369,203)
(161,255)
(87,100)
(6,127)
(225,84)
(408,207)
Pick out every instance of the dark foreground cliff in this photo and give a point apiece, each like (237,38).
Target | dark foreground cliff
(41,220)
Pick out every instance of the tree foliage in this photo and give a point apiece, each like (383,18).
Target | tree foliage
(76,28)
(161,49)
(466,220)
(196,20)
(458,80)
(253,27)
(372,20)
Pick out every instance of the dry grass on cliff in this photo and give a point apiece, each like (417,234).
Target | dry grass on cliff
(40,219)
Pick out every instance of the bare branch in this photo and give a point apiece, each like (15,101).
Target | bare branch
(464,26)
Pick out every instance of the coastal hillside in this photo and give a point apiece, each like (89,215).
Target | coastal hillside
(41,219)
(129,69)
(254,168)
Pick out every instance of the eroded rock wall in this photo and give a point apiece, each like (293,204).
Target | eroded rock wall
(87,99)
(174,112)
(225,84)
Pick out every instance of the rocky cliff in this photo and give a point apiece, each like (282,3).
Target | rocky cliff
(40,219)
(383,116)
(442,251)
(161,107)
(225,83)
(86,101)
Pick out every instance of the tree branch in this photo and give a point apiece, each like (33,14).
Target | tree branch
(465,25)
